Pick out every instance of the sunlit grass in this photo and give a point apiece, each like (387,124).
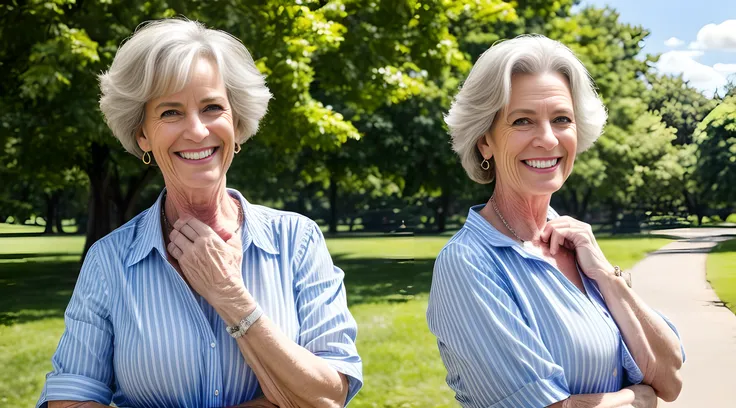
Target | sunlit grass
(721,272)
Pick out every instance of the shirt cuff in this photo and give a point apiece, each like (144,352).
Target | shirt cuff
(540,393)
(72,387)
(353,372)
(633,372)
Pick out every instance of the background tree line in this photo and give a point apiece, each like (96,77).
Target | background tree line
(354,134)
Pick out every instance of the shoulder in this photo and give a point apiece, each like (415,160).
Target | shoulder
(465,259)
(117,244)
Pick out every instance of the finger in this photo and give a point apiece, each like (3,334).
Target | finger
(183,219)
(554,241)
(175,251)
(188,232)
(199,227)
(180,240)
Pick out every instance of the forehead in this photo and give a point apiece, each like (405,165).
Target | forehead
(550,87)
(203,76)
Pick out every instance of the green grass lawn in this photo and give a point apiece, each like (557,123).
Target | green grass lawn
(721,272)
(387,280)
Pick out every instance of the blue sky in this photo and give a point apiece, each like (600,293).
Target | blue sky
(701,34)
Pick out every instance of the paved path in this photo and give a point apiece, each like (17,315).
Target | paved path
(672,280)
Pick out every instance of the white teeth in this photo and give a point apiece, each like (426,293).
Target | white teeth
(197,155)
(541,164)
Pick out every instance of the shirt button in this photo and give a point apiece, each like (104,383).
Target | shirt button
(615,372)
(217,392)
(212,344)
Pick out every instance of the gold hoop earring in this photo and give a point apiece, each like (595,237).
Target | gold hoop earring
(485,164)
(237,148)
(146,158)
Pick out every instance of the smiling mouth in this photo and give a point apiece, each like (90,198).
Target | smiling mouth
(200,155)
(542,164)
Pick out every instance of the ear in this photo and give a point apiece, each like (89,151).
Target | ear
(484,146)
(142,140)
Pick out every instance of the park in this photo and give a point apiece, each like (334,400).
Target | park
(355,140)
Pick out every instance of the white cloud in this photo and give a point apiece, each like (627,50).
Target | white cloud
(716,36)
(725,68)
(701,76)
(674,42)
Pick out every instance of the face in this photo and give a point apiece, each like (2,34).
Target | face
(191,133)
(533,140)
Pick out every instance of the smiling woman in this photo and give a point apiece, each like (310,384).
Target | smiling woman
(527,310)
(203,299)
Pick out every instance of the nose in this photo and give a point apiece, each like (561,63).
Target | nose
(545,137)
(197,129)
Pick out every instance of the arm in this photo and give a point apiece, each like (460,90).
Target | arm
(654,345)
(82,364)
(290,374)
(636,396)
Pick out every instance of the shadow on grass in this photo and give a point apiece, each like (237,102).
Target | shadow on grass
(373,280)
(32,291)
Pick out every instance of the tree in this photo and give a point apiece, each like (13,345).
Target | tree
(716,154)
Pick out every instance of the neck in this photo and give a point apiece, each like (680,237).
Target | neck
(526,214)
(212,206)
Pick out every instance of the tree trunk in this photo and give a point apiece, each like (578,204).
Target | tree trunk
(333,204)
(51,203)
(59,227)
(443,209)
(98,222)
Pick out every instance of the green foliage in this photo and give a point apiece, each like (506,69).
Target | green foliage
(716,157)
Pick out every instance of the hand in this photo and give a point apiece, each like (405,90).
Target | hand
(212,266)
(644,396)
(577,236)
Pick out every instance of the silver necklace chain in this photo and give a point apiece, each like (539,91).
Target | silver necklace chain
(170,228)
(495,208)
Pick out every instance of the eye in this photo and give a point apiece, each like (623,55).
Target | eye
(210,108)
(170,112)
(562,119)
(521,121)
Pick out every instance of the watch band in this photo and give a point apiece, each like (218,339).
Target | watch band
(239,329)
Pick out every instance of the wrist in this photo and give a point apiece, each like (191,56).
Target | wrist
(233,309)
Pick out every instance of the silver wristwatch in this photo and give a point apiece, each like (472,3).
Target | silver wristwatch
(241,327)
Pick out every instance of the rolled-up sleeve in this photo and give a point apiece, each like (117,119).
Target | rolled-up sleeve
(82,363)
(327,328)
(493,358)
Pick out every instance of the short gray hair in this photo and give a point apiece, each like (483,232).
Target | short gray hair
(158,60)
(487,90)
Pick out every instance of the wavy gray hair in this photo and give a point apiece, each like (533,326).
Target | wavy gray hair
(158,60)
(487,90)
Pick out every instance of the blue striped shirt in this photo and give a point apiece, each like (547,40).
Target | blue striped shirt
(138,336)
(513,331)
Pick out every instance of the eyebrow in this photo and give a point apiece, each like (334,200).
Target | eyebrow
(525,111)
(209,99)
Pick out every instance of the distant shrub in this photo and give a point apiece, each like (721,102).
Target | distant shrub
(731,218)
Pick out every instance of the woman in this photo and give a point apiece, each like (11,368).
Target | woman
(203,299)
(526,309)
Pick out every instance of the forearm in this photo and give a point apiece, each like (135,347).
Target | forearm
(653,344)
(289,375)
(621,399)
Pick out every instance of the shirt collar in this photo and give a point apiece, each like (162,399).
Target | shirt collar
(149,236)
(493,237)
